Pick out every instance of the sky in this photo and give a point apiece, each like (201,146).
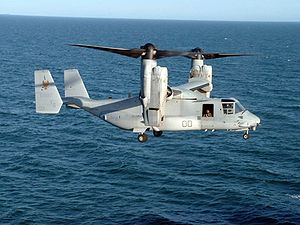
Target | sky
(221,10)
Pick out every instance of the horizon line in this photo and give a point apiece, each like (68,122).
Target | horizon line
(168,19)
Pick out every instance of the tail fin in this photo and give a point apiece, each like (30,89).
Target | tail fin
(47,98)
(74,85)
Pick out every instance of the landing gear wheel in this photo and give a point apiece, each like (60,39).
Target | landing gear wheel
(157,133)
(246,136)
(142,137)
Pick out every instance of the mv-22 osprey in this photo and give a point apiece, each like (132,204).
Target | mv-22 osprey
(158,107)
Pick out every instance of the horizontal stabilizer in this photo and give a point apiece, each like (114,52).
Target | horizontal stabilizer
(47,98)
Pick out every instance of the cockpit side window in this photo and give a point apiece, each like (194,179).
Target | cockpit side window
(231,106)
(228,107)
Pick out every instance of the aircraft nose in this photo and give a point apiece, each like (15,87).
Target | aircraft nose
(253,121)
(250,120)
(256,122)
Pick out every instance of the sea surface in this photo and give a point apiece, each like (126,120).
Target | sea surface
(73,168)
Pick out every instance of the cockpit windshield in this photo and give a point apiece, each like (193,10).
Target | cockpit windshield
(239,107)
(231,106)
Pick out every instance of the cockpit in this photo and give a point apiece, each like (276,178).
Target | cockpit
(231,106)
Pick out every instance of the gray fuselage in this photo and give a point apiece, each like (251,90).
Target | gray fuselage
(181,113)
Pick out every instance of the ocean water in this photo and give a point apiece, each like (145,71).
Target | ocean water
(73,168)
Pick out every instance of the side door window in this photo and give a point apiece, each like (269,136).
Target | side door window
(208,110)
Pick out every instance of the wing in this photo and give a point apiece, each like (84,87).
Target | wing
(194,84)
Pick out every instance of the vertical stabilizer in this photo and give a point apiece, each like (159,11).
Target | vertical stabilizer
(47,98)
(74,86)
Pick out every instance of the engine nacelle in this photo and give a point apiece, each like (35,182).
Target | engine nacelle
(204,72)
(158,96)
(146,74)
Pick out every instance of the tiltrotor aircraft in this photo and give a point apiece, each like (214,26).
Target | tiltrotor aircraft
(158,107)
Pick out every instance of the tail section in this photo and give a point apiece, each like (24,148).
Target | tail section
(74,86)
(47,98)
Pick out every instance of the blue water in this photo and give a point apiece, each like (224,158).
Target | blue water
(73,168)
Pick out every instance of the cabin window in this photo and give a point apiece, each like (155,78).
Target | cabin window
(228,107)
(208,110)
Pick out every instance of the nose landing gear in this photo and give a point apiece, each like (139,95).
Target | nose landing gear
(142,137)
(246,135)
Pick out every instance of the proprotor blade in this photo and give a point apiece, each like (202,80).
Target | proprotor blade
(149,51)
(134,53)
(198,53)
(221,55)
(165,53)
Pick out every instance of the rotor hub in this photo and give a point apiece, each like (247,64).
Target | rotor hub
(150,51)
(198,53)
